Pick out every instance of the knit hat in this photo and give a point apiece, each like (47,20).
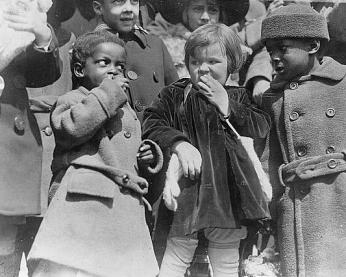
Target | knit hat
(294,21)
(172,10)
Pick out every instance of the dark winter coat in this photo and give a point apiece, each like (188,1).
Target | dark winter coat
(148,66)
(226,176)
(94,222)
(308,142)
(20,141)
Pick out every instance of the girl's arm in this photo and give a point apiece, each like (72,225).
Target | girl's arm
(158,120)
(77,116)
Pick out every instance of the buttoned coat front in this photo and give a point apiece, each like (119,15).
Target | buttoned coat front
(20,142)
(308,141)
(94,222)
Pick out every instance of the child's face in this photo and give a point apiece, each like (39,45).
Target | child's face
(201,12)
(120,15)
(209,60)
(107,61)
(290,58)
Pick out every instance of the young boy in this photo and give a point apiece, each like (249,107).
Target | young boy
(149,66)
(188,119)
(305,153)
(95,224)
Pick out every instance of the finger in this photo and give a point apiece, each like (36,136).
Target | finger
(204,89)
(191,170)
(20,26)
(185,168)
(144,147)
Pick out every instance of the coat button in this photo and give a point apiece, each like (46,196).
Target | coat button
(293,85)
(19,123)
(125,179)
(330,112)
(330,149)
(2,85)
(48,131)
(155,77)
(132,75)
(294,116)
(127,134)
(139,107)
(301,151)
(332,164)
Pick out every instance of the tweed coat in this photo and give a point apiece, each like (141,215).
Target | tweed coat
(95,221)
(149,68)
(20,142)
(227,191)
(307,147)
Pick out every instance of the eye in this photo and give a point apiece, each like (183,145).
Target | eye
(193,62)
(198,9)
(213,9)
(134,2)
(102,62)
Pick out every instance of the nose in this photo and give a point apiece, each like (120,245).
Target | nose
(127,7)
(203,69)
(205,16)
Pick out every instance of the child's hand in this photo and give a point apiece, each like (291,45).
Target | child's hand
(190,159)
(120,80)
(145,154)
(215,92)
(26,17)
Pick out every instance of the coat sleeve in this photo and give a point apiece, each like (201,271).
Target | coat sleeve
(245,117)
(159,119)
(43,68)
(77,117)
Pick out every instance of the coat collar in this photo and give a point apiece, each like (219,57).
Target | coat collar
(139,33)
(328,69)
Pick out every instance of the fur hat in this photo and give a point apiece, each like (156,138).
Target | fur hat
(172,10)
(294,21)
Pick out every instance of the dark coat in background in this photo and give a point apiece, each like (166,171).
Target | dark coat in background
(20,141)
(308,141)
(148,66)
(95,223)
(226,176)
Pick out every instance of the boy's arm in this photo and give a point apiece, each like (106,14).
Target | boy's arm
(77,117)
(245,117)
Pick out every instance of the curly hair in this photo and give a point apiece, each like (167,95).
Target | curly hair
(85,45)
(210,34)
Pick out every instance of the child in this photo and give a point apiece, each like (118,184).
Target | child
(188,120)
(95,224)
(35,65)
(307,144)
(149,65)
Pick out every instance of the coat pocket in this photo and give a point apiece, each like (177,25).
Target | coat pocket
(90,182)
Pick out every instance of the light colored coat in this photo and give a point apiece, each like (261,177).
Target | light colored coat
(95,221)
(308,141)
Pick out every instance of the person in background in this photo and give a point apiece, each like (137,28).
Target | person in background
(95,223)
(42,99)
(20,142)
(149,66)
(305,150)
(188,118)
(177,19)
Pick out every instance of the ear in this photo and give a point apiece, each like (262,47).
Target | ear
(314,46)
(97,6)
(78,70)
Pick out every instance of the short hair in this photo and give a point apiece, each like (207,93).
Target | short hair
(210,34)
(85,45)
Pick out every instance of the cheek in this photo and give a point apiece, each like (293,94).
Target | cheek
(214,18)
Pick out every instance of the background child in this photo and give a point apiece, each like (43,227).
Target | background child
(149,66)
(36,65)
(95,224)
(307,143)
(188,119)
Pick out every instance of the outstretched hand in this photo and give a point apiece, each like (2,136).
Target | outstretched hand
(26,17)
